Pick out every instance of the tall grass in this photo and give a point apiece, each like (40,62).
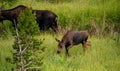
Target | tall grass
(6,56)
(98,16)
(6,29)
(103,55)
(82,14)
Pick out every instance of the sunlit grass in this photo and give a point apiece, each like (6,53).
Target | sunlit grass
(77,14)
(101,56)
(6,56)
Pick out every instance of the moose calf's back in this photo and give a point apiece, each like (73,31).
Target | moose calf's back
(75,37)
(80,37)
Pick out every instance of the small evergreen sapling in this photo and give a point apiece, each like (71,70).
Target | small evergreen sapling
(28,53)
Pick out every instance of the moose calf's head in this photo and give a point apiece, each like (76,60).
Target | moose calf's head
(60,46)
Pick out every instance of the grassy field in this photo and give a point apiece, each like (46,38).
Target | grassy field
(100,15)
(103,55)
(80,14)
(6,56)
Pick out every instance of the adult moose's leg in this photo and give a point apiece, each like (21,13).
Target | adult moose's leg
(46,24)
(54,25)
(14,23)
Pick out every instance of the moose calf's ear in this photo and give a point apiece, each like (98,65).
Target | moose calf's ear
(57,40)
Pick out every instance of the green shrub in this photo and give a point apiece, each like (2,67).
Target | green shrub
(26,45)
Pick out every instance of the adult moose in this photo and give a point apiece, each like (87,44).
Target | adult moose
(73,38)
(11,14)
(45,18)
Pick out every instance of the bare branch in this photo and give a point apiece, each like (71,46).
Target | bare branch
(33,68)
(27,64)
(25,48)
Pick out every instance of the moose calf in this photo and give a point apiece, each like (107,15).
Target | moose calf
(73,38)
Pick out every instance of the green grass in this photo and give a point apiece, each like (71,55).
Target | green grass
(103,55)
(81,14)
(6,56)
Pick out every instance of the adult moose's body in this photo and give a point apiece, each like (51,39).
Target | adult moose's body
(46,19)
(73,38)
(11,14)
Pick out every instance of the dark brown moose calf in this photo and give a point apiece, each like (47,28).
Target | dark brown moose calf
(73,38)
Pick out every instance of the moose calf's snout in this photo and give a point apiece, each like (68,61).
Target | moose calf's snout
(58,52)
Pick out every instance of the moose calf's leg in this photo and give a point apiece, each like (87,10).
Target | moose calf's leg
(88,43)
(84,44)
(67,49)
(67,53)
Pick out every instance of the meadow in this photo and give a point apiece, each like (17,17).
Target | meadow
(103,55)
(100,17)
